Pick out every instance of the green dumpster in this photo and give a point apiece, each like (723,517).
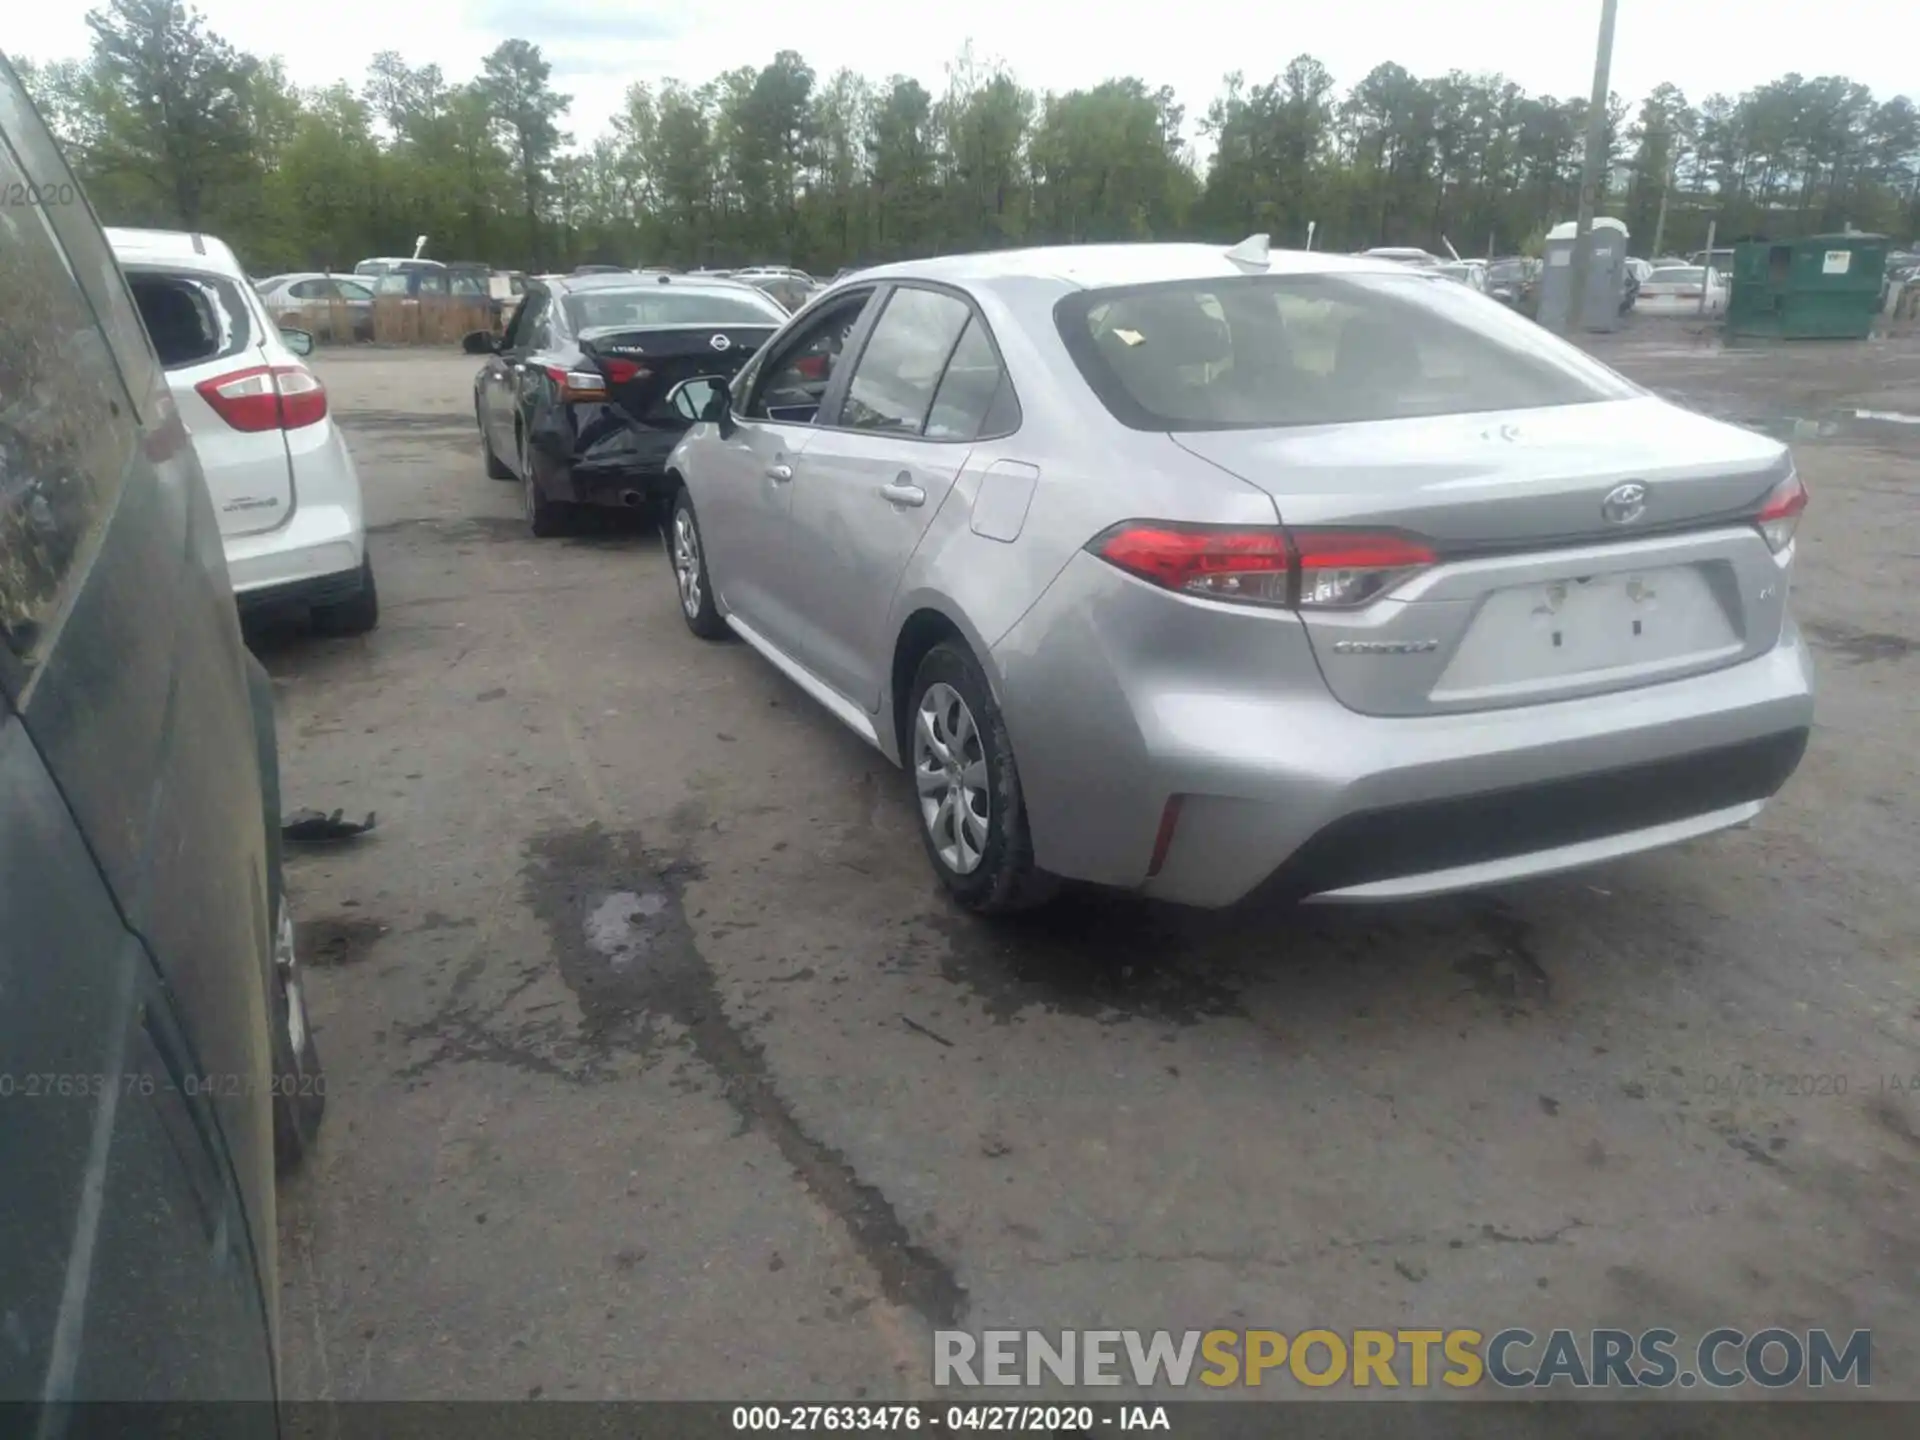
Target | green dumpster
(1819,287)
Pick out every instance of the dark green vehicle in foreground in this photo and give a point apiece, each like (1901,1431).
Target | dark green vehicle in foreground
(155,1060)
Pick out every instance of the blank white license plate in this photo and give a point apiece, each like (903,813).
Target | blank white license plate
(1605,622)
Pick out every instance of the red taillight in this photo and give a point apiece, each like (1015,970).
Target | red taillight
(1780,513)
(578,385)
(619,372)
(267,397)
(1304,569)
(1245,565)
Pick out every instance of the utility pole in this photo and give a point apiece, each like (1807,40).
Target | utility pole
(1592,170)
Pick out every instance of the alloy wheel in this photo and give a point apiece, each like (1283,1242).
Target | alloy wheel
(950,774)
(686,561)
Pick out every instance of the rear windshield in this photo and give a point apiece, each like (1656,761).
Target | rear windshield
(192,318)
(657,305)
(1672,276)
(1257,350)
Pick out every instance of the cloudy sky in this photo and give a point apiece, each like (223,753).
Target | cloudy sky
(598,47)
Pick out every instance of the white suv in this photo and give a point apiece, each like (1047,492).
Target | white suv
(283,484)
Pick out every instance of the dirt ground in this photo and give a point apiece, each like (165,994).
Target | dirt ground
(660,1069)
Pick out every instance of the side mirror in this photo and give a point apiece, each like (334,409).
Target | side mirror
(300,342)
(480,342)
(704,397)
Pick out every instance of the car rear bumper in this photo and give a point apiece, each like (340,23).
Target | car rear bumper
(616,460)
(1115,707)
(320,545)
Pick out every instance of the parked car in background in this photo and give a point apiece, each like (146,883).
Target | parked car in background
(1404,255)
(1678,290)
(1720,259)
(153,1036)
(507,287)
(1514,280)
(750,272)
(789,290)
(283,483)
(316,298)
(1470,273)
(381,265)
(1179,569)
(573,401)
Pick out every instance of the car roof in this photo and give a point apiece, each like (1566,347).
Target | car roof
(191,250)
(1101,266)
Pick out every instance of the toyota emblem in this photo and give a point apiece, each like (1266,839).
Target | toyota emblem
(720,342)
(1624,503)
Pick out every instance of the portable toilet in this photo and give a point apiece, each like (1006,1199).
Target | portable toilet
(1606,276)
(1823,287)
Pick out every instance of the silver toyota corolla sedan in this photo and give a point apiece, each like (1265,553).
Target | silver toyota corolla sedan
(1201,572)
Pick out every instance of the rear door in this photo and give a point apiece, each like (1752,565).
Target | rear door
(214,349)
(499,391)
(874,480)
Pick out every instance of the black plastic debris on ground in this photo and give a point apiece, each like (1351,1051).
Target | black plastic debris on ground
(314,827)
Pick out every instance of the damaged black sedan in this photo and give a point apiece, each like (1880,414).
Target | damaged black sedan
(573,400)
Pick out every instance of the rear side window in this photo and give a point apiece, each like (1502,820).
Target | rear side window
(894,383)
(67,428)
(964,407)
(1258,351)
(310,289)
(193,318)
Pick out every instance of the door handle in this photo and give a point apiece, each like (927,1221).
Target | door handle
(901,492)
(780,472)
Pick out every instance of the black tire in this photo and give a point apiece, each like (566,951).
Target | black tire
(545,517)
(356,616)
(299,1079)
(497,469)
(1005,879)
(701,614)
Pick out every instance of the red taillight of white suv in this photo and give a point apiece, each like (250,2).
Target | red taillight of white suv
(267,397)
(1297,569)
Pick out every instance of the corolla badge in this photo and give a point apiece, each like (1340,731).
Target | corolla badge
(1624,503)
(721,342)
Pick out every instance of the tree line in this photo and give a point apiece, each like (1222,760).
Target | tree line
(169,125)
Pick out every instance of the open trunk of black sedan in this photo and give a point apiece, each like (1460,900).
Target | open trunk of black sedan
(642,365)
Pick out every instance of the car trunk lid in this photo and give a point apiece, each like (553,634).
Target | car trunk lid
(1577,550)
(643,364)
